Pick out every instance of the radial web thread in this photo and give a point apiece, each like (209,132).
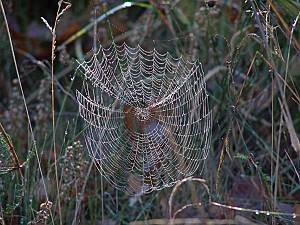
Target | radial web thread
(146,114)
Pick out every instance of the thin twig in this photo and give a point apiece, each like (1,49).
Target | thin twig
(256,211)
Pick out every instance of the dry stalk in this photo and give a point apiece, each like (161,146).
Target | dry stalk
(62,7)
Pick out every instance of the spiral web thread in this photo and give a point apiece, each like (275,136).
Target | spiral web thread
(147,116)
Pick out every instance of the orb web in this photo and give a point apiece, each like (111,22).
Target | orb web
(147,116)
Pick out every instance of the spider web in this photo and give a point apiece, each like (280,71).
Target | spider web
(147,116)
